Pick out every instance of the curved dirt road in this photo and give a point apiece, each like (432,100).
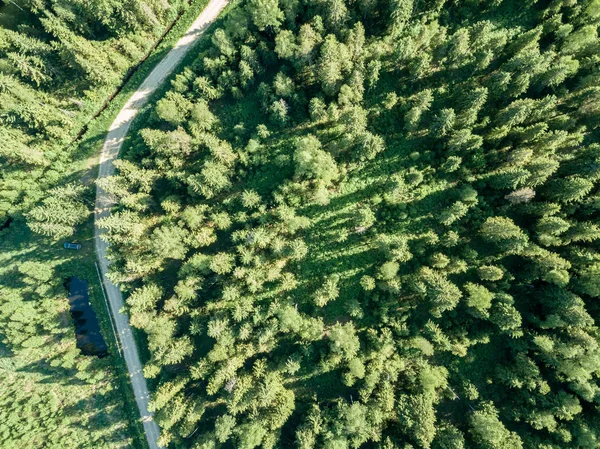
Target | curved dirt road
(112,144)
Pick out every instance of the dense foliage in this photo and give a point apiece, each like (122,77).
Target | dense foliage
(51,396)
(373,224)
(59,61)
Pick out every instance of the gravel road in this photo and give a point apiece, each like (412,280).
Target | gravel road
(112,145)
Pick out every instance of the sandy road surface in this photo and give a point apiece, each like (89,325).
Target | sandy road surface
(112,144)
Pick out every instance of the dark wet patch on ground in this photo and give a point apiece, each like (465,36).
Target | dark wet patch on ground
(87,328)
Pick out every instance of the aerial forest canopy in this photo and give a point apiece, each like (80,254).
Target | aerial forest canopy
(59,61)
(371,224)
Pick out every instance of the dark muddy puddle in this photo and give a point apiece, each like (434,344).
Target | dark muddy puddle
(6,224)
(87,328)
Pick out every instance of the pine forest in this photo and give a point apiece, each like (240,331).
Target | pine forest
(342,224)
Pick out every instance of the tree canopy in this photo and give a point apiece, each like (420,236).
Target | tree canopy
(366,224)
(378,228)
